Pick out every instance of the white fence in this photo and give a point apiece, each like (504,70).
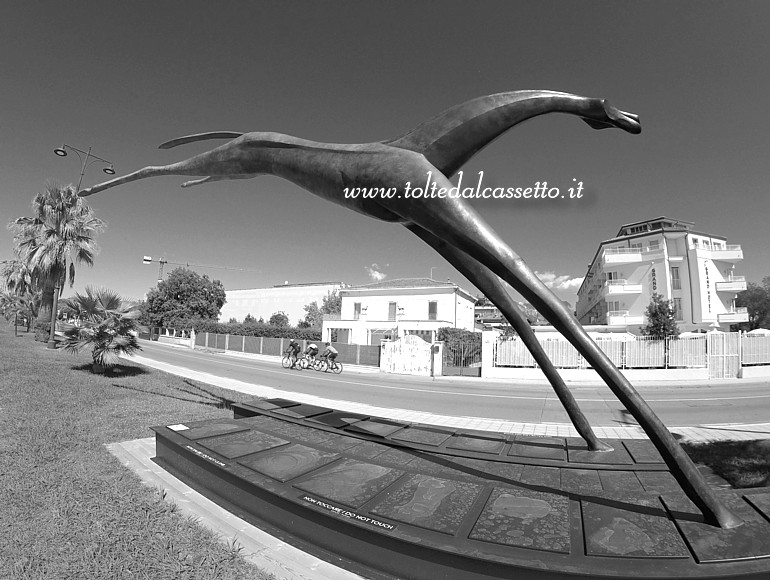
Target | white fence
(755,349)
(645,353)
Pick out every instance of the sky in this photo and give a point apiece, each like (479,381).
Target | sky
(123,77)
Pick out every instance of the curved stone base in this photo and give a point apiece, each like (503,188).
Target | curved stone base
(390,499)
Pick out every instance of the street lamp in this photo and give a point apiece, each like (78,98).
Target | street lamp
(62,152)
(109,170)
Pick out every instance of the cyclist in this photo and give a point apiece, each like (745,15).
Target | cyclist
(311,351)
(330,353)
(293,351)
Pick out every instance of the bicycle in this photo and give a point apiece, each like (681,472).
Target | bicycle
(305,362)
(289,360)
(333,366)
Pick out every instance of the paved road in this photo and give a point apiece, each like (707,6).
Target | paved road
(713,402)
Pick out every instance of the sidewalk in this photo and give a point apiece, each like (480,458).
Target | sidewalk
(700,433)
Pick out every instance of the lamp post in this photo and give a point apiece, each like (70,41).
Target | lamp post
(86,157)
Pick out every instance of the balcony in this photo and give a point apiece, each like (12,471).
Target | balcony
(622,317)
(738,314)
(732,284)
(618,287)
(730,253)
(612,256)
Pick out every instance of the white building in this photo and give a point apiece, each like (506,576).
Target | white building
(695,270)
(264,302)
(395,308)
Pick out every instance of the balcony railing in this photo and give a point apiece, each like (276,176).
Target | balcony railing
(729,253)
(616,317)
(627,255)
(734,315)
(620,286)
(732,284)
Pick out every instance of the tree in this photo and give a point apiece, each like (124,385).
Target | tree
(279,319)
(60,234)
(249,319)
(16,276)
(19,300)
(183,299)
(19,308)
(332,303)
(756,299)
(313,316)
(661,318)
(104,323)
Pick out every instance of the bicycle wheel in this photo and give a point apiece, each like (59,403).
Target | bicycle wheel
(323,366)
(286,362)
(302,363)
(336,367)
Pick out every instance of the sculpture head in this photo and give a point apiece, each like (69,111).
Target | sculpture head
(600,114)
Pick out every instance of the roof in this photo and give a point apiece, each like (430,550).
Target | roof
(409,283)
(663,221)
(404,283)
(286,285)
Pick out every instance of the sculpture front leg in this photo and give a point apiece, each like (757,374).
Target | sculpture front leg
(493,289)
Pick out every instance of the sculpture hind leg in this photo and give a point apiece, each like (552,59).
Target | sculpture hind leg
(493,289)
(453,221)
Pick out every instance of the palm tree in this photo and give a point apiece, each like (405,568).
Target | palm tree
(18,299)
(59,235)
(15,276)
(103,323)
(14,306)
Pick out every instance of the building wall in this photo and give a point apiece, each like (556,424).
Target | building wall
(374,321)
(264,302)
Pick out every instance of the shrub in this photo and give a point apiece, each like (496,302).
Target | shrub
(257,329)
(42,331)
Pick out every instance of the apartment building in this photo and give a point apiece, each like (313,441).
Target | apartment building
(695,270)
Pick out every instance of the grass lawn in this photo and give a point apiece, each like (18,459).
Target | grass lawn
(741,463)
(68,508)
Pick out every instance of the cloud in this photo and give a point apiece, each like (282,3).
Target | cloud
(554,282)
(374,273)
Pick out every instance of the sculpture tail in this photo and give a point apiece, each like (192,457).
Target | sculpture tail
(199,137)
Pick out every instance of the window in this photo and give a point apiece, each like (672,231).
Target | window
(676,282)
(678,314)
(356,310)
(432,310)
(391,310)
(654,245)
(637,247)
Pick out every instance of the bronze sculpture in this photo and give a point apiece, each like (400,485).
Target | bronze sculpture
(434,151)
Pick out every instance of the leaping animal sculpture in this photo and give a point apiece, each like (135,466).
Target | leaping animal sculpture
(430,154)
